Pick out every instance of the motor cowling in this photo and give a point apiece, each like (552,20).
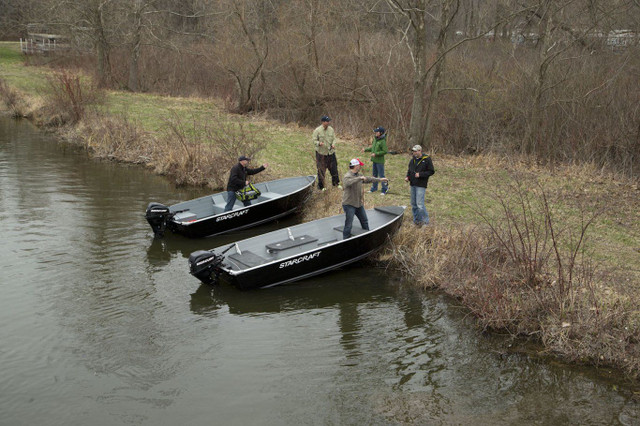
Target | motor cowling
(204,265)
(157,215)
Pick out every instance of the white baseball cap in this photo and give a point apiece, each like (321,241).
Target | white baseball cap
(416,148)
(356,162)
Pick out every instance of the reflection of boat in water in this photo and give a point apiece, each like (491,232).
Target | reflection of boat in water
(367,285)
(205,216)
(295,253)
(158,253)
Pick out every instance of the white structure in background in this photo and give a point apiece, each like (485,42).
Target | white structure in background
(41,43)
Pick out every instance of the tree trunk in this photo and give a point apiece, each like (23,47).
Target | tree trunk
(135,48)
(434,88)
(534,133)
(419,75)
(102,50)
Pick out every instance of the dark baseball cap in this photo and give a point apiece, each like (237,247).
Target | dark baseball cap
(325,118)
(379,129)
(244,157)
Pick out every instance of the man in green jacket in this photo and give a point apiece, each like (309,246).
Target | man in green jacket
(324,139)
(378,150)
(352,197)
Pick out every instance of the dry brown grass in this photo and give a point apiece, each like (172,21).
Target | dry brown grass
(323,204)
(11,99)
(190,152)
(528,273)
(113,138)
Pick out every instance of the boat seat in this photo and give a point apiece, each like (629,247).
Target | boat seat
(247,258)
(289,243)
(219,200)
(217,210)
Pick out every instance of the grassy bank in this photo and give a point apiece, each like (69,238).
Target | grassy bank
(549,253)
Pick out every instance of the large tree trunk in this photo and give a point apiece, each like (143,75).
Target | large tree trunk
(135,47)
(420,72)
(102,49)
(434,88)
(534,130)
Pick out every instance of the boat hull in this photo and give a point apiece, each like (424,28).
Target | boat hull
(205,216)
(246,217)
(312,262)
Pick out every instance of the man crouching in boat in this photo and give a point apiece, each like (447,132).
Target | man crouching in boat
(238,180)
(353,197)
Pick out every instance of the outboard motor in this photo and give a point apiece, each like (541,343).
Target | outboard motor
(203,264)
(157,216)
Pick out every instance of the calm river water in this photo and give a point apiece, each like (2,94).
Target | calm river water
(102,325)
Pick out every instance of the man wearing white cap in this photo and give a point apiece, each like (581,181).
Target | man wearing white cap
(353,197)
(420,168)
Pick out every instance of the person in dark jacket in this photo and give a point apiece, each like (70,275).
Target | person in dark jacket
(420,168)
(238,180)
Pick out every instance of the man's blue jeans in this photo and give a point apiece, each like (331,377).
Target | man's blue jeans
(231,200)
(377,170)
(349,212)
(420,215)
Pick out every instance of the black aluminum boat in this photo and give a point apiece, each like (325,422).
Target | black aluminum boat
(205,216)
(295,253)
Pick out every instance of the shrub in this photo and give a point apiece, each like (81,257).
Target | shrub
(11,98)
(69,95)
(198,153)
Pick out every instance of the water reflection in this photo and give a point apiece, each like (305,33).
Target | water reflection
(158,253)
(102,324)
(310,294)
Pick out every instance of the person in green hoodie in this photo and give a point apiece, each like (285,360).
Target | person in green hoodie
(378,150)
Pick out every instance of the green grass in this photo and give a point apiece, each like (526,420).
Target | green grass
(30,80)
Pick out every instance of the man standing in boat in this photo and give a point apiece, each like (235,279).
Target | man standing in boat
(420,168)
(353,197)
(324,138)
(238,180)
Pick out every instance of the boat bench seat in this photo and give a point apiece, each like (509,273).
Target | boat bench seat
(247,258)
(218,199)
(289,243)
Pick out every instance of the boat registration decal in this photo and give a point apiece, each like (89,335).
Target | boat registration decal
(230,215)
(300,259)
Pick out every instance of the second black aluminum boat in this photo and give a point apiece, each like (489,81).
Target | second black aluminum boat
(295,253)
(205,216)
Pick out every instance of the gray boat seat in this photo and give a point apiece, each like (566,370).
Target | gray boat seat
(219,199)
(185,216)
(247,258)
(289,243)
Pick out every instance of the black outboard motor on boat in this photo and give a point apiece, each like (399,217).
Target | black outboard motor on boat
(157,216)
(203,265)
